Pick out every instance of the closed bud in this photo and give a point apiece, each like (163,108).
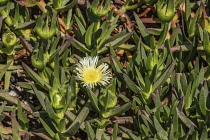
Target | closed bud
(9,40)
(43,30)
(98,10)
(165,10)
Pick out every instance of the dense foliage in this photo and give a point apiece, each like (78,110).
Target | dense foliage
(105,70)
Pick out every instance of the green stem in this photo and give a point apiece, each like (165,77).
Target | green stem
(133,6)
(8,73)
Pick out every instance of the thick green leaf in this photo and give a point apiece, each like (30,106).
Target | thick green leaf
(80,25)
(2,116)
(94,100)
(115,43)
(160,131)
(117,67)
(130,133)
(4,70)
(204,134)
(71,117)
(99,133)
(128,47)
(57,68)
(164,76)
(25,85)
(26,25)
(41,97)
(73,128)
(185,120)
(192,25)
(158,106)
(202,99)
(115,131)
(50,110)
(6,97)
(89,35)
(106,33)
(89,131)
(80,15)
(80,46)
(112,38)
(186,136)
(195,135)
(117,110)
(171,133)
(15,126)
(142,28)
(63,47)
(36,77)
(153,31)
(131,84)
(22,118)
(163,34)
(2,106)
(47,128)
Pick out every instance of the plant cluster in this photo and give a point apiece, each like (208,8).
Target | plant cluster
(105,69)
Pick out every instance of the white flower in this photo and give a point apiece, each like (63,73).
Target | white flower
(90,75)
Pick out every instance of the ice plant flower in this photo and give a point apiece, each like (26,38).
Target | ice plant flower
(90,75)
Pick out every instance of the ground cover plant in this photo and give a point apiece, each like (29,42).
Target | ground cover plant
(105,69)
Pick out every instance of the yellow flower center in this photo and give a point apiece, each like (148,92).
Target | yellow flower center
(92,76)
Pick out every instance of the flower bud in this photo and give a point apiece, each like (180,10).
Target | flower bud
(45,32)
(165,10)
(9,40)
(99,10)
(39,59)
